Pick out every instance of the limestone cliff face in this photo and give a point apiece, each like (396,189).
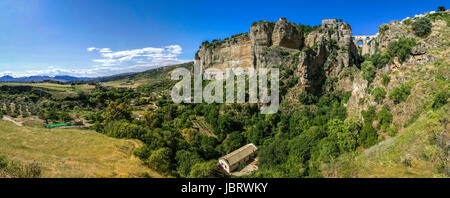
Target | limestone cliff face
(330,49)
(261,39)
(229,53)
(286,35)
(255,49)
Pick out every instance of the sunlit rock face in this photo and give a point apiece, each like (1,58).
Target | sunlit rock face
(286,35)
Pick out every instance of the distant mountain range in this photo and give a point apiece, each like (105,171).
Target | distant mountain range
(65,78)
(8,78)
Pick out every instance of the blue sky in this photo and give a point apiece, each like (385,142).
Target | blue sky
(104,37)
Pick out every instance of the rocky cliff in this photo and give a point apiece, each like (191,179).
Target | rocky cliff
(314,57)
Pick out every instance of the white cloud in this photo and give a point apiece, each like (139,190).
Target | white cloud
(151,55)
(114,62)
(105,50)
(90,49)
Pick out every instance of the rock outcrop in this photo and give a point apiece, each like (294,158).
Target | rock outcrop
(286,35)
(229,53)
(255,49)
(320,54)
(330,50)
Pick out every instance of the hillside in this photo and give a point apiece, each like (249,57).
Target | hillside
(419,152)
(75,153)
(153,77)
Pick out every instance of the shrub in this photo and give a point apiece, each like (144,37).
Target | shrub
(368,71)
(401,48)
(385,79)
(392,131)
(160,160)
(379,93)
(368,136)
(203,169)
(380,60)
(407,22)
(400,93)
(422,27)
(384,118)
(440,100)
(383,28)
(307,98)
(13,169)
(370,115)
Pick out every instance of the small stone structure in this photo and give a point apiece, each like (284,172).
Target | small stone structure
(232,160)
(329,21)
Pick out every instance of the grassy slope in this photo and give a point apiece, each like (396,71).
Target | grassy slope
(71,152)
(413,153)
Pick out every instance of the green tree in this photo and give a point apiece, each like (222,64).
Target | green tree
(301,145)
(441,9)
(345,133)
(384,118)
(160,160)
(203,169)
(368,136)
(368,71)
(118,111)
(234,141)
(185,160)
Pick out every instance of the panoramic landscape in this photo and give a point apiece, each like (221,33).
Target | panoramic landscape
(349,105)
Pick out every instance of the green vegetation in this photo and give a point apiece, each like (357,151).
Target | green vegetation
(400,93)
(383,28)
(379,60)
(385,79)
(384,118)
(401,48)
(440,100)
(306,29)
(368,136)
(413,153)
(368,71)
(13,169)
(422,27)
(379,93)
(440,16)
